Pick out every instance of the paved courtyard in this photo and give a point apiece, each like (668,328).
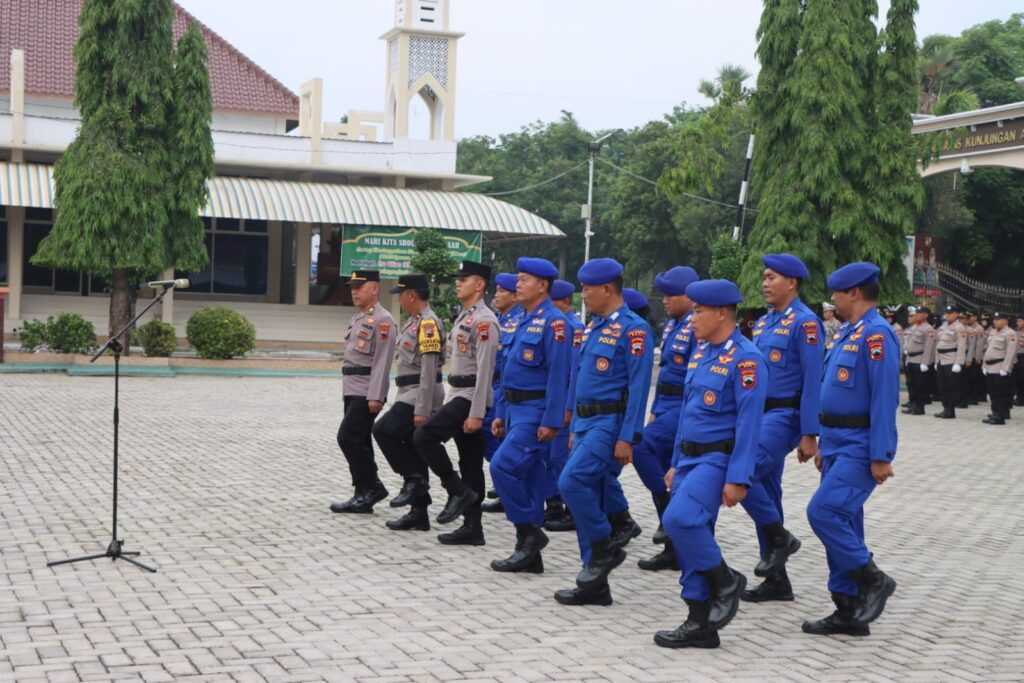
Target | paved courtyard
(225,485)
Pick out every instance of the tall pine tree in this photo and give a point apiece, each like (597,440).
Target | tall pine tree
(129,186)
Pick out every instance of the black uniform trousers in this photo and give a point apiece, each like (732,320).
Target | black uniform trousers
(356,443)
(393,432)
(447,424)
(977,382)
(949,386)
(1019,371)
(918,386)
(1000,390)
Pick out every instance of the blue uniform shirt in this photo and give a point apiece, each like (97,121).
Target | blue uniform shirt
(862,377)
(677,343)
(615,362)
(793,348)
(537,359)
(725,390)
(577,342)
(507,324)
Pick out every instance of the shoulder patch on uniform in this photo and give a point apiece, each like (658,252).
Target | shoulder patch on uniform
(428,339)
(637,342)
(483,330)
(577,338)
(383,330)
(876,346)
(811,333)
(558,327)
(748,373)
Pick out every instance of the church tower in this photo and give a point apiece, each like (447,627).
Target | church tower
(420,63)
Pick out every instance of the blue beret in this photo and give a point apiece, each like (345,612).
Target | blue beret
(599,271)
(786,265)
(562,289)
(674,281)
(538,267)
(634,299)
(714,293)
(506,281)
(853,275)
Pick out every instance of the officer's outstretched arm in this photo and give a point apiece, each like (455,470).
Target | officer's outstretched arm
(640,364)
(880,349)
(750,386)
(812,357)
(556,350)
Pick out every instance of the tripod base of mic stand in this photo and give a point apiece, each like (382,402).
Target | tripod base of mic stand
(114,552)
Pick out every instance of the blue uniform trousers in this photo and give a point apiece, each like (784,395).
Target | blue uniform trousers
(491,442)
(589,483)
(652,457)
(518,469)
(780,434)
(836,513)
(558,456)
(690,522)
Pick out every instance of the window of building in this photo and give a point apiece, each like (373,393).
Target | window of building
(38,223)
(238,258)
(3,244)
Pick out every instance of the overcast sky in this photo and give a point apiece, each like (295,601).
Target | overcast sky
(613,64)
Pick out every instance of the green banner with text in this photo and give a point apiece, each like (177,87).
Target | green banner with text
(390,250)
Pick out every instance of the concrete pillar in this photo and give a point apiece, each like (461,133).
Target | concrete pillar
(167,305)
(274,247)
(15,256)
(17,106)
(311,116)
(303,239)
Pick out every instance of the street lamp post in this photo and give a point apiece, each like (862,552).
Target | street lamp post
(587,213)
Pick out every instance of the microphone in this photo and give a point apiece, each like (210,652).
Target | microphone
(167,284)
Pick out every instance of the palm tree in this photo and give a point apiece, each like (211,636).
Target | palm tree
(728,84)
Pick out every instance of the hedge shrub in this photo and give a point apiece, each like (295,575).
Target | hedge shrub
(158,338)
(220,333)
(63,333)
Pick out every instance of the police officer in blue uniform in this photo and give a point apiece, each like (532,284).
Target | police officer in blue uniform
(859,396)
(790,338)
(652,457)
(637,302)
(556,515)
(509,314)
(714,464)
(612,380)
(535,378)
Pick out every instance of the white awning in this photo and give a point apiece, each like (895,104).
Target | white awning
(31,185)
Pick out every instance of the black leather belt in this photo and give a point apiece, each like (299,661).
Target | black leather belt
(947,350)
(994,362)
(356,371)
(861,421)
(462,381)
(406,380)
(605,408)
(914,355)
(692,449)
(516,396)
(780,403)
(666,389)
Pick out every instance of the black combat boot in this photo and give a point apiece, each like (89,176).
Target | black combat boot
(530,540)
(412,488)
(493,505)
(460,499)
(994,420)
(875,588)
(694,632)
(946,414)
(345,506)
(564,522)
(598,595)
(363,503)
(661,501)
(840,621)
(779,546)
(726,587)
(666,559)
(604,557)
(416,519)
(470,533)
(624,529)
(774,588)
(492,494)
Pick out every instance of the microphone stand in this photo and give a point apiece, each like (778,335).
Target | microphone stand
(115,549)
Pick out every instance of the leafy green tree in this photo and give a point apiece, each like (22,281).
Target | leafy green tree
(727,256)
(433,258)
(129,186)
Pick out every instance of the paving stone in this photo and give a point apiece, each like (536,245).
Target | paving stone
(224,487)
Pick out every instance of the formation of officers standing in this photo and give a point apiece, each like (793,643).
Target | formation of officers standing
(558,408)
(963,361)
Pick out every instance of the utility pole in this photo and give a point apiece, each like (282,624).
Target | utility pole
(587,212)
(741,207)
